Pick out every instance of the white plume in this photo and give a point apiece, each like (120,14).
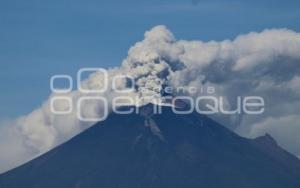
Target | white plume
(265,64)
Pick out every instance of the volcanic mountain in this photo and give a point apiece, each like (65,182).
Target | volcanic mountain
(166,150)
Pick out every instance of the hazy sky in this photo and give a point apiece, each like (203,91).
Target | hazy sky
(41,38)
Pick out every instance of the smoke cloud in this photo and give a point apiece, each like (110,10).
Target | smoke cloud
(265,64)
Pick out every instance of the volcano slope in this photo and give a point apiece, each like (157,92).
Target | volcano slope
(165,150)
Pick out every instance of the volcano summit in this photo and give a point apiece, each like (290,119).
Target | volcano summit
(165,150)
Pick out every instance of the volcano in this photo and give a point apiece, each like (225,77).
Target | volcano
(166,150)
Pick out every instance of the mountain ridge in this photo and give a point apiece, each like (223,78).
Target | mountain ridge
(159,150)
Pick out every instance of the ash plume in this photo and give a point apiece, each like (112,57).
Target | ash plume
(263,63)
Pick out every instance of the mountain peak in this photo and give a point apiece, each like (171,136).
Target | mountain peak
(159,150)
(267,139)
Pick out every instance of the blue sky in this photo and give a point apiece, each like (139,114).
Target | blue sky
(41,38)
